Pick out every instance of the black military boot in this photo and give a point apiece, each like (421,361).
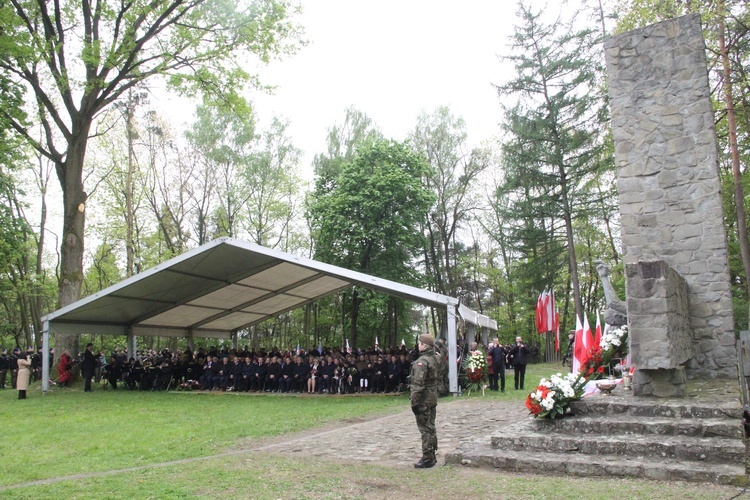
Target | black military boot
(426,462)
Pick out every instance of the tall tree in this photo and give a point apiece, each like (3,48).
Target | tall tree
(441,138)
(370,221)
(77,58)
(272,186)
(553,137)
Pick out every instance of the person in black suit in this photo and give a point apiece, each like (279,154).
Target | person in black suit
(520,353)
(497,353)
(299,375)
(88,366)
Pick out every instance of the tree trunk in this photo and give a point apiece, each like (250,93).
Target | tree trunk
(129,216)
(739,197)
(74,218)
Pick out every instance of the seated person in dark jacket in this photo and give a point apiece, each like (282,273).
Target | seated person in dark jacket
(325,375)
(248,374)
(236,373)
(365,378)
(299,375)
(221,380)
(380,371)
(287,375)
(261,375)
(210,370)
(114,372)
(394,374)
(274,374)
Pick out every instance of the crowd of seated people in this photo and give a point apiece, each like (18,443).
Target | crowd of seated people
(315,372)
(330,372)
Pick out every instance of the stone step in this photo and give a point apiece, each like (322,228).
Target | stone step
(626,425)
(715,450)
(644,407)
(578,464)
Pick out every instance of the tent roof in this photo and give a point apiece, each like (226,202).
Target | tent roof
(217,288)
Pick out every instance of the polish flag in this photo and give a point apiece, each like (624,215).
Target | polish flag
(348,349)
(549,311)
(579,353)
(557,331)
(598,331)
(588,337)
(540,321)
(376,340)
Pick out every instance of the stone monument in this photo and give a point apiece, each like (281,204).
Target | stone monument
(674,241)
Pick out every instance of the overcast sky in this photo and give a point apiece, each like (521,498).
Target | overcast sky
(391,59)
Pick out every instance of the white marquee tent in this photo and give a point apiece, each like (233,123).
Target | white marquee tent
(222,287)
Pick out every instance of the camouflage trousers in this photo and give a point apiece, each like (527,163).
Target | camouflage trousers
(426,426)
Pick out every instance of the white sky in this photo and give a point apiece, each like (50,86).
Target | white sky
(391,59)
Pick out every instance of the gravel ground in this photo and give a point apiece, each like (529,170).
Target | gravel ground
(394,439)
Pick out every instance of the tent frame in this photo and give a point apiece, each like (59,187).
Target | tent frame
(224,286)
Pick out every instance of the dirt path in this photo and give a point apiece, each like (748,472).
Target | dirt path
(394,439)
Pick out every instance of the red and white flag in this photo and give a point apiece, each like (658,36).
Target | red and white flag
(598,331)
(348,349)
(579,353)
(588,337)
(557,331)
(540,320)
(549,311)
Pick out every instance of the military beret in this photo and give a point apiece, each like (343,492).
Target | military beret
(426,338)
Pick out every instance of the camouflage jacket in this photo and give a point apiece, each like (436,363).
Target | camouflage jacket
(423,381)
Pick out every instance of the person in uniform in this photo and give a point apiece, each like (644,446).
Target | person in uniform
(424,374)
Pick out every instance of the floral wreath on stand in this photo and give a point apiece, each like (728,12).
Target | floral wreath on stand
(474,370)
(551,397)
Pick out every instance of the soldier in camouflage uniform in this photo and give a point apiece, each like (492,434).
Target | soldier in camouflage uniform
(424,375)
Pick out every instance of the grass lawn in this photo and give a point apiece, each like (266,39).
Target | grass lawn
(68,432)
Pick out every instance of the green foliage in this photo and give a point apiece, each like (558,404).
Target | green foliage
(441,138)
(370,219)
(553,154)
(103,271)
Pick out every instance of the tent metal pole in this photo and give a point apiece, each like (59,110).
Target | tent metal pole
(45,357)
(452,368)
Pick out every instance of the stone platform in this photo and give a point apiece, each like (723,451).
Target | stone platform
(699,438)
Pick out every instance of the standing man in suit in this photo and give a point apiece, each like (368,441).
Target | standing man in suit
(497,353)
(88,366)
(520,353)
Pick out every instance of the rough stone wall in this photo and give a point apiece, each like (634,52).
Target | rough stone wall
(658,310)
(668,179)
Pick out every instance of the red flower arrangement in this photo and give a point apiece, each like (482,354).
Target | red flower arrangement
(535,408)
(474,374)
